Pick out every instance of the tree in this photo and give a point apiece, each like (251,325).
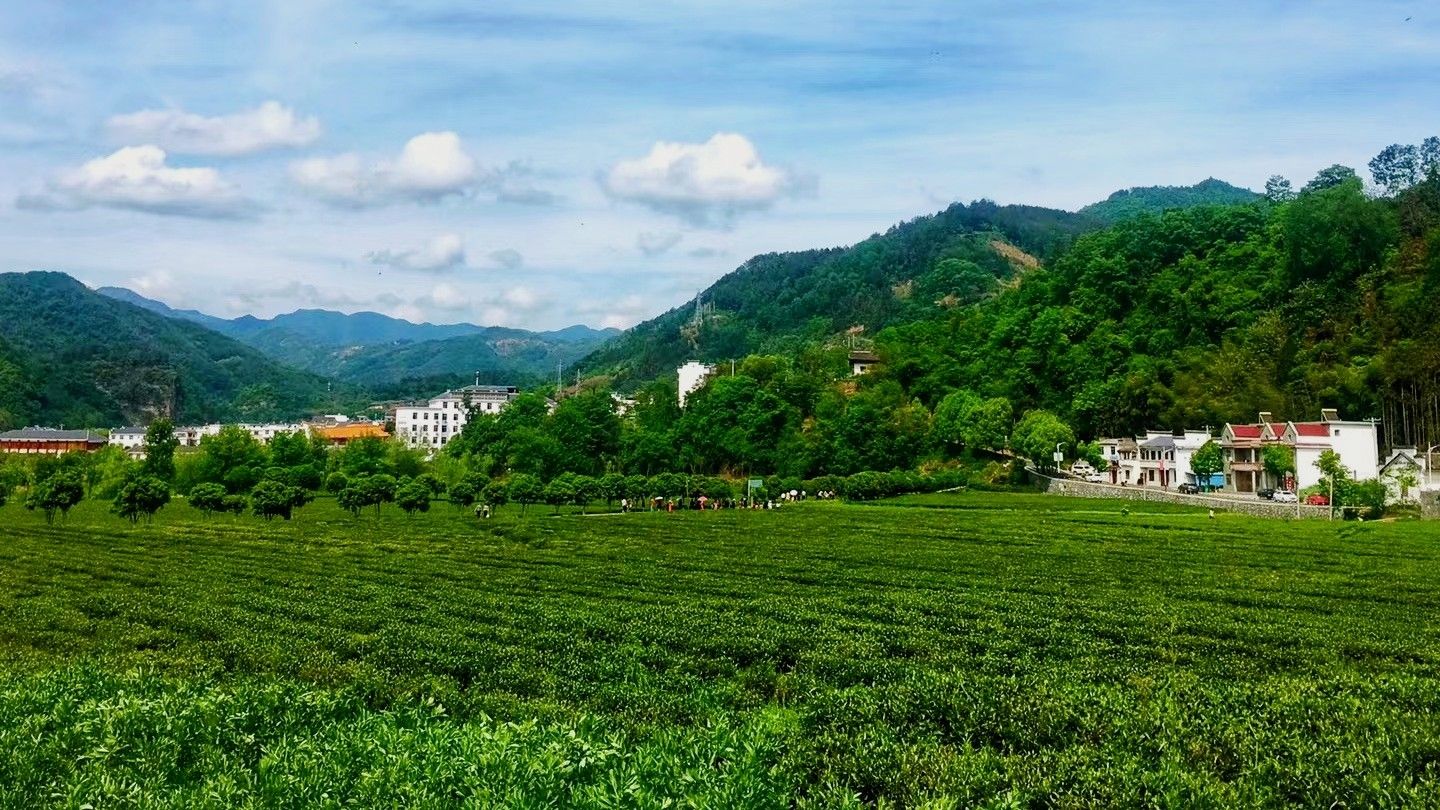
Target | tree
(1330,177)
(413,496)
(525,489)
(207,498)
(160,444)
(1206,461)
(1430,156)
(586,488)
(496,493)
(1278,190)
(274,498)
(1396,168)
(462,494)
(336,482)
(1038,435)
(1278,460)
(610,487)
(142,496)
(561,490)
(231,457)
(432,484)
(59,492)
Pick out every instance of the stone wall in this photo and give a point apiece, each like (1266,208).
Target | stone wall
(1430,504)
(1249,506)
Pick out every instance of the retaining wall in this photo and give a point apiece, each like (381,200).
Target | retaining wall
(1258,506)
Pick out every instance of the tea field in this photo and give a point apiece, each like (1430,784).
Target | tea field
(995,650)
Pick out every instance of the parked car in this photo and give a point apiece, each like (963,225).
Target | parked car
(1267,493)
(1318,500)
(1188,488)
(1285,497)
(1095,478)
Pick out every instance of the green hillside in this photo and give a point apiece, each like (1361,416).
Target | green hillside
(1132,202)
(780,301)
(69,355)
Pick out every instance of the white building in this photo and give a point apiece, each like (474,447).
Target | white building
(691,376)
(435,422)
(132,439)
(1404,462)
(264,433)
(1356,443)
(862,361)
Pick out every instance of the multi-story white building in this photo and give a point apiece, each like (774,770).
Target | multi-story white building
(435,422)
(1356,443)
(132,439)
(690,377)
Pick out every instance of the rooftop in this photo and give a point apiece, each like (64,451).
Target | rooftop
(39,434)
(353,432)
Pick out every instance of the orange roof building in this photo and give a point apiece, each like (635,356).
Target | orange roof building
(341,435)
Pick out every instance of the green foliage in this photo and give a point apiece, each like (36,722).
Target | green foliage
(463,494)
(160,445)
(526,489)
(207,498)
(1133,202)
(1038,435)
(820,655)
(142,495)
(1278,460)
(336,482)
(1207,460)
(59,491)
(232,458)
(69,355)
(274,498)
(413,496)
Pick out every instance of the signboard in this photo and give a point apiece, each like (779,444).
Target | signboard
(1059,456)
(754,484)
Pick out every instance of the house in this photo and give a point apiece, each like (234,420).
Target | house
(341,435)
(1357,444)
(131,439)
(264,433)
(1404,462)
(436,421)
(1119,455)
(862,361)
(49,441)
(1242,447)
(690,377)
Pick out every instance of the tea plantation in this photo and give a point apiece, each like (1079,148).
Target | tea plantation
(984,650)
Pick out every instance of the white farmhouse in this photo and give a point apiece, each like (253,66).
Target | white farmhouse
(131,439)
(690,377)
(435,422)
(1355,442)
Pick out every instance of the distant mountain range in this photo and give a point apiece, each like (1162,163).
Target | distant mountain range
(390,355)
(69,356)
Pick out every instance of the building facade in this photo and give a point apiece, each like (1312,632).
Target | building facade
(52,442)
(1356,443)
(433,423)
(690,377)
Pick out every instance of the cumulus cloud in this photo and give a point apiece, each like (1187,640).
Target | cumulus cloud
(430,167)
(654,244)
(707,184)
(507,259)
(138,178)
(269,126)
(707,253)
(615,313)
(441,254)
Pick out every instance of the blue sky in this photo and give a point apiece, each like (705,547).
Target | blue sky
(540,164)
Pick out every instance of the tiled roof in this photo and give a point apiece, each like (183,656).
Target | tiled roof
(1313,429)
(38,434)
(353,432)
(1246,431)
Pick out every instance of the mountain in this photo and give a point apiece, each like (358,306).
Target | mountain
(69,355)
(779,301)
(380,352)
(1155,199)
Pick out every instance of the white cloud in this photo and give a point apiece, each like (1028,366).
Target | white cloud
(616,313)
(269,126)
(137,178)
(445,296)
(442,253)
(515,183)
(156,284)
(706,183)
(654,244)
(430,167)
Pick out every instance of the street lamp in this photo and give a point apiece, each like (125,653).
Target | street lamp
(1430,468)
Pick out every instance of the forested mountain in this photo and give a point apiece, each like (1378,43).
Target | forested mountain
(1157,199)
(71,356)
(779,302)
(394,355)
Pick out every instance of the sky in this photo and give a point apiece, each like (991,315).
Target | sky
(542,164)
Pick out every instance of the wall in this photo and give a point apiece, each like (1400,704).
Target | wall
(1257,506)
(1357,448)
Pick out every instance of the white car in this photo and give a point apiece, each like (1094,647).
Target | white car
(1285,497)
(1095,478)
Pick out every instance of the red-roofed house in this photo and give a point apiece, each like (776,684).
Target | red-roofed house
(1241,445)
(1355,442)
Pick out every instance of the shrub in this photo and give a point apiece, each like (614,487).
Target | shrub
(141,496)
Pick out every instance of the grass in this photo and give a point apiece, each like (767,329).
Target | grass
(1013,652)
